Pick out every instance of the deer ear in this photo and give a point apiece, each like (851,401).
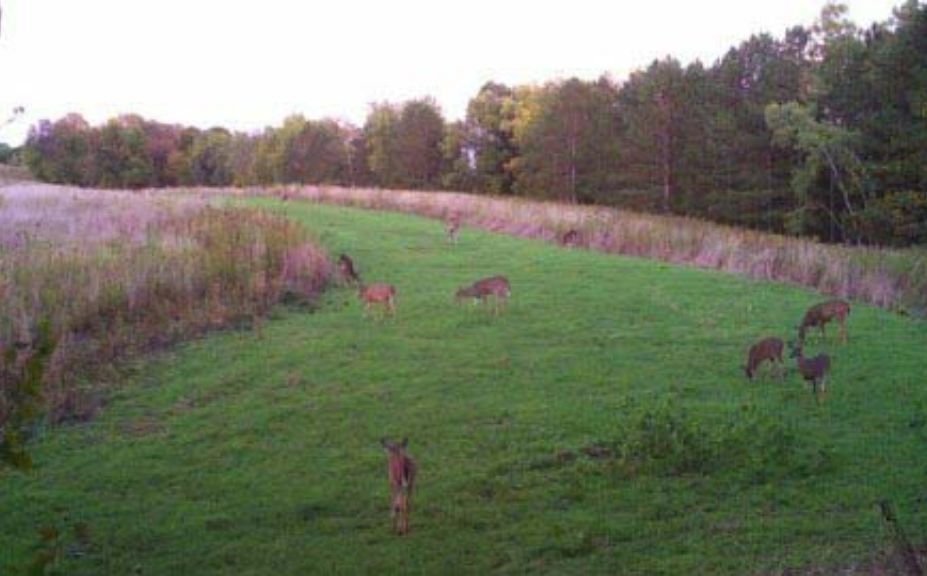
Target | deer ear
(405,442)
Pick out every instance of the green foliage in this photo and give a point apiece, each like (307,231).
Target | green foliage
(896,219)
(569,150)
(404,144)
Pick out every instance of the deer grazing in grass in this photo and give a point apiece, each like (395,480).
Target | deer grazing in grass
(813,370)
(383,294)
(766,349)
(401,470)
(346,270)
(495,286)
(452,227)
(820,314)
(570,238)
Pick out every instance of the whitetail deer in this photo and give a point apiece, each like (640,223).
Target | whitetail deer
(495,286)
(766,349)
(346,270)
(813,370)
(452,227)
(570,238)
(383,294)
(401,470)
(820,314)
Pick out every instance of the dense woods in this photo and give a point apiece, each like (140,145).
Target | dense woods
(821,132)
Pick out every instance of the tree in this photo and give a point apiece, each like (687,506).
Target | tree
(832,177)
(210,158)
(419,135)
(652,109)
(489,133)
(569,146)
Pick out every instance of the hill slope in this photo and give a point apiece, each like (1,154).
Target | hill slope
(601,423)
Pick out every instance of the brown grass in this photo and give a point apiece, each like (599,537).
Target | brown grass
(89,277)
(892,279)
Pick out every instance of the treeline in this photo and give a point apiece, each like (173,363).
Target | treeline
(822,132)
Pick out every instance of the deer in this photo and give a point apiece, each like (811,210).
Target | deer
(496,286)
(346,269)
(766,349)
(820,314)
(570,238)
(451,227)
(813,370)
(401,470)
(384,294)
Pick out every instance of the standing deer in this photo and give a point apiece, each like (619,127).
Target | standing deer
(346,270)
(401,470)
(766,349)
(820,314)
(570,238)
(451,227)
(813,370)
(496,286)
(383,294)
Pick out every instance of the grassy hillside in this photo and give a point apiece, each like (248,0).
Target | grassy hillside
(601,424)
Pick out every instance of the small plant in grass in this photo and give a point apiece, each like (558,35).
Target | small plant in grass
(665,440)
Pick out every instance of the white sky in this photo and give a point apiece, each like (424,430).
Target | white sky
(247,65)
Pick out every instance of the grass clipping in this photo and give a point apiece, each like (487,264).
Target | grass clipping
(89,278)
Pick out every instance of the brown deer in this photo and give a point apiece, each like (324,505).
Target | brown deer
(401,470)
(570,238)
(383,294)
(766,349)
(496,286)
(346,270)
(813,370)
(452,227)
(820,314)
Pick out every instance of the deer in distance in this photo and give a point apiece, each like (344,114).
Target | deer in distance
(383,294)
(813,370)
(401,471)
(452,227)
(820,314)
(495,286)
(346,270)
(570,238)
(766,349)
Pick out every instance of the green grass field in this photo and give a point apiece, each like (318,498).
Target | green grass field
(601,424)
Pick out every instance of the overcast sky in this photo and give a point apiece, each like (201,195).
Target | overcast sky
(247,65)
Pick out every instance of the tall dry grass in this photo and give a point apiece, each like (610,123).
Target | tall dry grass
(893,279)
(89,277)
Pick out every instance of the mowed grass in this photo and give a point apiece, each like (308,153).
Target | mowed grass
(258,453)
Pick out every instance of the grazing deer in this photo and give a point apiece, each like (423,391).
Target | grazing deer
(766,349)
(452,226)
(820,314)
(570,238)
(496,286)
(384,294)
(346,270)
(813,370)
(401,470)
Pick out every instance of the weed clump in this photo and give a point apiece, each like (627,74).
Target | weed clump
(667,440)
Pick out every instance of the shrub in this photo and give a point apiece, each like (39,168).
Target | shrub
(666,440)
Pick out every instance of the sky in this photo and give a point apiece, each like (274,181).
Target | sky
(248,65)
